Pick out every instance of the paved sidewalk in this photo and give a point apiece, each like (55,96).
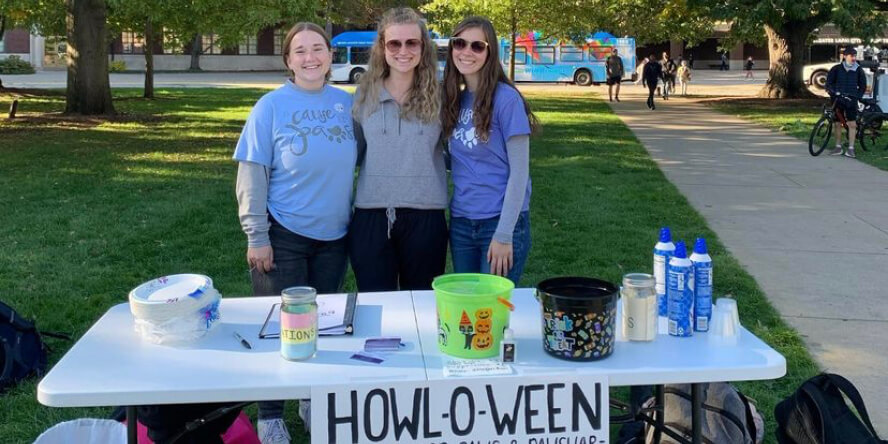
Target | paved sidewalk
(812,231)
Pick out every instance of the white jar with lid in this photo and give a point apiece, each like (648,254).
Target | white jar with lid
(639,307)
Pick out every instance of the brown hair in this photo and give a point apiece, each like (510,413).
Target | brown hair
(491,74)
(424,98)
(296,29)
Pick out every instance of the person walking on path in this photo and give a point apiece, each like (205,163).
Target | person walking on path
(615,71)
(296,161)
(398,234)
(652,73)
(669,70)
(845,84)
(489,124)
(724,62)
(639,72)
(684,77)
(691,60)
(748,67)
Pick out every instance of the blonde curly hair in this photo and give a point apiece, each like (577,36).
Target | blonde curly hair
(424,98)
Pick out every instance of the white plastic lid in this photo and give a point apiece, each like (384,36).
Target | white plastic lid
(508,333)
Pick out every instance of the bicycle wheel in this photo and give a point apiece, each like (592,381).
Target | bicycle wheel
(820,136)
(869,131)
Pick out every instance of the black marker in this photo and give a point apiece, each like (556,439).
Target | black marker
(243,341)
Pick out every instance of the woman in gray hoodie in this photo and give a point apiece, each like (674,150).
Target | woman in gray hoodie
(398,233)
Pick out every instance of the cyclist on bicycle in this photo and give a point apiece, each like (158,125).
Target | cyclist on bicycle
(846,83)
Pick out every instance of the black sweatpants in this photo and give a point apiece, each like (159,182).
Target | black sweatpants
(407,255)
(652,86)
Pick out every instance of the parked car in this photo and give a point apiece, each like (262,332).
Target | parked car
(815,75)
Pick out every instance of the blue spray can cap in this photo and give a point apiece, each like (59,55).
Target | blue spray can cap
(681,251)
(700,246)
(665,235)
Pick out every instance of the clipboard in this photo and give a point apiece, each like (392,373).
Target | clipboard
(336,314)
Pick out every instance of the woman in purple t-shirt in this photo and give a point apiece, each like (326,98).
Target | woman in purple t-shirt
(489,125)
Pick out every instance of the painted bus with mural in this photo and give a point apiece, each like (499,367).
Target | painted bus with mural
(537,58)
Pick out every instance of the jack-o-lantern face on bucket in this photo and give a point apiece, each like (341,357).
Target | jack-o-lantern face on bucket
(483,313)
(483,326)
(482,341)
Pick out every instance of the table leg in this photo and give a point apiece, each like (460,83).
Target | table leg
(132,425)
(697,413)
(660,412)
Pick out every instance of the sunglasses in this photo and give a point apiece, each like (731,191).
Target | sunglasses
(410,44)
(477,46)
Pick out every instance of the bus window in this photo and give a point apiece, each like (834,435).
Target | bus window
(546,56)
(571,54)
(360,56)
(340,56)
(520,56)
(442,54)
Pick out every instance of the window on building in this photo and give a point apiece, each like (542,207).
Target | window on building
(132,43)
(360,56)
(546,56)
(248,45)
(210,44)
(571,54)
(279,35)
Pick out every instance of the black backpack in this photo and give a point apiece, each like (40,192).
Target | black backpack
(22,351)
(818,414)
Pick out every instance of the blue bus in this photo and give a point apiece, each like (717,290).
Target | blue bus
(539,59)
(351,53)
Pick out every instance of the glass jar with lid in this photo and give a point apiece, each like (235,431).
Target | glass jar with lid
(639,307)
(299,323)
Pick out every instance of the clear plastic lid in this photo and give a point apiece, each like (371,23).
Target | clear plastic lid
(299,295)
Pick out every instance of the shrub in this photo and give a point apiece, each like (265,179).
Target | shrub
(117,66)
(15,65)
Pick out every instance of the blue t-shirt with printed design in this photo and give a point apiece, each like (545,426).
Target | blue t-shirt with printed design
(307,141)
(480,170)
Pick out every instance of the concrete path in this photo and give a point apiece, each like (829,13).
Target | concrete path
(813,231)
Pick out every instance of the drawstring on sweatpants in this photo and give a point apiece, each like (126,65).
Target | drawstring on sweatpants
(390,217)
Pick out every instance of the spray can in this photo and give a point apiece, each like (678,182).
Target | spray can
(662,252)
(702,285)
(680,292)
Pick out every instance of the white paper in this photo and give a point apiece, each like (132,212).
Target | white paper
(331,311)
(476,367)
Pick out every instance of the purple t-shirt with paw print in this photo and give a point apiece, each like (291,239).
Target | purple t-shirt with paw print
(480,169)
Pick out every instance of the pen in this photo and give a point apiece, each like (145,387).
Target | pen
(243,341)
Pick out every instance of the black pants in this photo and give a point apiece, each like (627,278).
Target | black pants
(652,87)
(406,256)
(166,422)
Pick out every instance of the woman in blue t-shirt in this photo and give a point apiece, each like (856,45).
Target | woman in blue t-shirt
(296,161)
(489,124)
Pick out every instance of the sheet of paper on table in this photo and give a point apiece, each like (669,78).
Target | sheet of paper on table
(335,316)
(475,367)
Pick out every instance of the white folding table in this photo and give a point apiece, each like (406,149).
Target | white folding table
(111,365)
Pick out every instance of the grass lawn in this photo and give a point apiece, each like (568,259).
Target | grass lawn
(795,117)
(93,208)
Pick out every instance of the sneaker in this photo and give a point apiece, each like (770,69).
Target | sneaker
(618,98)
(850,153)
(273,431)
(837,151)
(305,414)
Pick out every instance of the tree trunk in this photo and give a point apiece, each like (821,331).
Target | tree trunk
(788,54)
(89,88)
(149,60)
(514,26)
(196,49)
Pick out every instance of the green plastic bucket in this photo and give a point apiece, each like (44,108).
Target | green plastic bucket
(473,309)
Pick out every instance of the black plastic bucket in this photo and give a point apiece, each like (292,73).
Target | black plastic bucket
(579,317)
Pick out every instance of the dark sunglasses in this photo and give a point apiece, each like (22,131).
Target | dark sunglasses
(395,45)
(477,46)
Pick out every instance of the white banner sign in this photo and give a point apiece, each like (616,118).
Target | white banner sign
(562,409)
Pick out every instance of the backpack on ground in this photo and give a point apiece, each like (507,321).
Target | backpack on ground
(729,417)
(22,351)
(816,413)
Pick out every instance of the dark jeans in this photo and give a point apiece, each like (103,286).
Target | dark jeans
(470,239)
(298,260)
(408,258)
(652,86)
(166,422)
